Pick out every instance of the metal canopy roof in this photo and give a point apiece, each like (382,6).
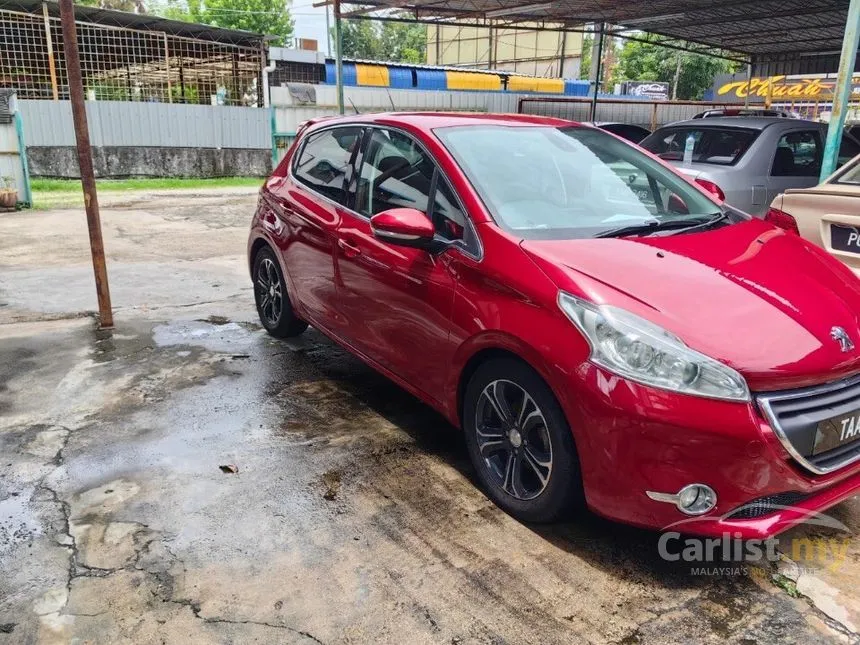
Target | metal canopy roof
(754,28)
(144,22)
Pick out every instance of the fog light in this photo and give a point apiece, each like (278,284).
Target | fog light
(694,499)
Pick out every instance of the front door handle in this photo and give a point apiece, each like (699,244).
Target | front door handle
(349,249)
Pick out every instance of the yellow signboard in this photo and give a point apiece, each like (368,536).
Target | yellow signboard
(781,87)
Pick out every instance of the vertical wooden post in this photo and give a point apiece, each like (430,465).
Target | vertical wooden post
(52,66)
(167,69)
(653,116)
(85,160)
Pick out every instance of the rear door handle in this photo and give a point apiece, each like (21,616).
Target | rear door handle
(349,249)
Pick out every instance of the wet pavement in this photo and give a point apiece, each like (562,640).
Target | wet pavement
(184,478)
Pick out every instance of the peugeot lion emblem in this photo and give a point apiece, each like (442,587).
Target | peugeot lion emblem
(841,336)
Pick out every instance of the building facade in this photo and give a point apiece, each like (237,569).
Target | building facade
(531,52)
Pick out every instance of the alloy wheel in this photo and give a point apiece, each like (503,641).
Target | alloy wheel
(513,439)
(269,292)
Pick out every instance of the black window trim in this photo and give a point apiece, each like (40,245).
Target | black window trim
(476,253)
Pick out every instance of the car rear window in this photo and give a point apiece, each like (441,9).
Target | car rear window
(721,146)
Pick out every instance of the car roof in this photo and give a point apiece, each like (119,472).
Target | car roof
(749,122)
(432,120)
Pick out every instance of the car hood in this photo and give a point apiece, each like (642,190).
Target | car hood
(753,296)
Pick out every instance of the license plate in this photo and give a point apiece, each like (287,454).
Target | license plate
(845,238)
(836,432)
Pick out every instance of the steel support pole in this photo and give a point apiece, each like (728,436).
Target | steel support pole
(842,91)
(598,72)
(85,160)
(338,37)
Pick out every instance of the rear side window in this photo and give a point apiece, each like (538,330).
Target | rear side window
(798,154)
(326,160)
(722,146)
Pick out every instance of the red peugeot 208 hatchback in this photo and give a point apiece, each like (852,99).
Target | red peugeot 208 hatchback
(602,330)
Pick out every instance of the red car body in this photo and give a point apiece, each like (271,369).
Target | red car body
(750,295)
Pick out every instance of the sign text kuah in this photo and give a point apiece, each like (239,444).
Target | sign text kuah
(733,88)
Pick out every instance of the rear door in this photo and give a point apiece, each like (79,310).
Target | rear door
(396,300)
(310,202)
(796,162)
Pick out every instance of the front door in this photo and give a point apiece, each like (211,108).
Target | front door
(398,300)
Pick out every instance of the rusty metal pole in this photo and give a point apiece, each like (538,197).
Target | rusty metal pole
(85,160)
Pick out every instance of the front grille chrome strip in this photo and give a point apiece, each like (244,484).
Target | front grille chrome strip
(766,400)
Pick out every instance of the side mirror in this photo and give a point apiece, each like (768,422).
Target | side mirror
(403,227)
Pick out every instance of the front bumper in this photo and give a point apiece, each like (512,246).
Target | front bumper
(632,439)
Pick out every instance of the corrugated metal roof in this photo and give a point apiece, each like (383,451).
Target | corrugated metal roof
(143,22)
(751,27)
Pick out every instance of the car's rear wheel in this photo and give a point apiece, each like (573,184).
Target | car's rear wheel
(520,442)
(273,303)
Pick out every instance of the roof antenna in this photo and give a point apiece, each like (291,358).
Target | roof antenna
(353,106)
(393,107)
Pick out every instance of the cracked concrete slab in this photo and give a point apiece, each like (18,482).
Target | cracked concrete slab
(117,524)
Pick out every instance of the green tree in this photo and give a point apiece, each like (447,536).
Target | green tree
(390,41)
(271,17)
(647,61)
(134,6)
(360,39)
(585,59)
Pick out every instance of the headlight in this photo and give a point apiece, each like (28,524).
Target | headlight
(641,351)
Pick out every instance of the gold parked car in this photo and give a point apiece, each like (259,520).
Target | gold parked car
(827,215)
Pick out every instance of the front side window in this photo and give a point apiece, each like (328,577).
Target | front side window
(798,154)
(398,173)
(721,146)
(395,173)
(563,183)
(325,161)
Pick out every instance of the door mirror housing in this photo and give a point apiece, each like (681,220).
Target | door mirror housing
(404,227)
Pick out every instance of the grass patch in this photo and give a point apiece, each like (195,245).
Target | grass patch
(67,193)
(788,585)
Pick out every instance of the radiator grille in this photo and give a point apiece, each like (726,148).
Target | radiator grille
(795,415)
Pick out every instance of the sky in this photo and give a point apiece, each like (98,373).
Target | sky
(310,22)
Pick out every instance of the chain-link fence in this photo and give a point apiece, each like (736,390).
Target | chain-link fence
(124,64)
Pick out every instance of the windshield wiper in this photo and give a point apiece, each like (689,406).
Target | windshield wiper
(667,225)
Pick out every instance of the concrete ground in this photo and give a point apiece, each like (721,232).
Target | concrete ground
(185,478)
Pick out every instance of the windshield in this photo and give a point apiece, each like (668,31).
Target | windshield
(572,182)
(722,146)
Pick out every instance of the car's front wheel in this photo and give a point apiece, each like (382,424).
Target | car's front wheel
(520,443)
(273,303)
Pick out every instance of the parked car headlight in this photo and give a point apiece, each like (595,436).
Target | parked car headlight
(641,351)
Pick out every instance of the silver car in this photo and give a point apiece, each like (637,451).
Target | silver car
(747,161)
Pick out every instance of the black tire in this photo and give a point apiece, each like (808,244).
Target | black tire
(542,494)
(273,302)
